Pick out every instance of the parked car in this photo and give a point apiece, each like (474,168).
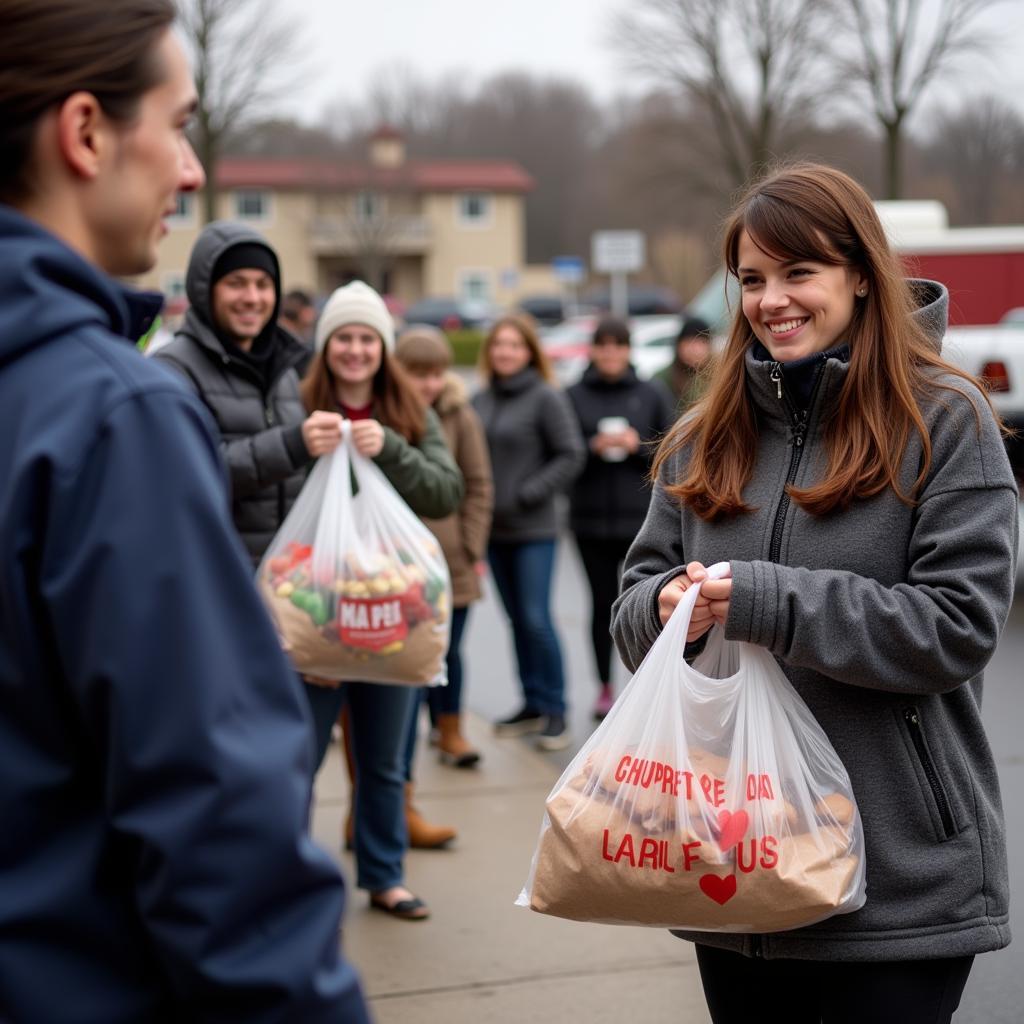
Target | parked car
(653,343)
(996,355)
(451,314)
(547,310)
(642,300)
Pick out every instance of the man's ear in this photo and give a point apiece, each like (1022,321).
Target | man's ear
(83,133)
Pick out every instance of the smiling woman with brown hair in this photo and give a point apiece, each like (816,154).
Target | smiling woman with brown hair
(858,487)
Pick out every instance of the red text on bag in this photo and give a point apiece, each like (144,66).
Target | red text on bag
(371,622)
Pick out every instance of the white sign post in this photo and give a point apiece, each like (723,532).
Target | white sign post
(617,253)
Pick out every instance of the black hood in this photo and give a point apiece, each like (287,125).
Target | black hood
(213,241)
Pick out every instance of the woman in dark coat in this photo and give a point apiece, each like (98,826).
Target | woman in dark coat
(620,417)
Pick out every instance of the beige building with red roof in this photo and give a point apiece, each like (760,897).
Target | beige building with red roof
(411,228)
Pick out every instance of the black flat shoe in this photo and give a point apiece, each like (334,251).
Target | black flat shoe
(407,910)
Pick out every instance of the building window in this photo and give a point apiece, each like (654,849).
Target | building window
(474,208)
(369,205)
(252,205)
(475,285)
(172,284)
(184,211)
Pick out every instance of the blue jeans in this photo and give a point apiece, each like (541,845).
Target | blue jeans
(522,573)
(441,700)
(379,727)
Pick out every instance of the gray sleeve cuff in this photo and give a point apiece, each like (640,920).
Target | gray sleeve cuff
(754,605)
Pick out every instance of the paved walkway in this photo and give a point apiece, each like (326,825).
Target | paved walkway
(480,959)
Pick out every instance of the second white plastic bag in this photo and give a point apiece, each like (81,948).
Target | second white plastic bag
(357,585)
(709,799)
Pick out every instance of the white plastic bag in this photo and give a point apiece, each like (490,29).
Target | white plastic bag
(709,799)
(357,585)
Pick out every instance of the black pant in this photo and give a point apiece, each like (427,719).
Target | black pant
(602,561)
(742,989)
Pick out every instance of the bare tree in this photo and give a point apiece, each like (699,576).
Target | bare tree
(397,96)
(751,67)
(980,147)
(374,232)
(277,135)
(239,49)
(902,47)
(548,125)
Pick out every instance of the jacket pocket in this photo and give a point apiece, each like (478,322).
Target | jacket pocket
(913,723)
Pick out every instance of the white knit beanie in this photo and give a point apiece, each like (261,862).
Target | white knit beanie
(355,303)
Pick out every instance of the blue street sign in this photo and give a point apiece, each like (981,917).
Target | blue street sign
(569,269)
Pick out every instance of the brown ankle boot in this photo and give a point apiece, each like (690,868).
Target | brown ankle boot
(454,748)
(423,835)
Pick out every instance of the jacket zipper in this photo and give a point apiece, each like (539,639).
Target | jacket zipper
(268,415)
(799,427)
(913,719)
(798,422)
(612,494)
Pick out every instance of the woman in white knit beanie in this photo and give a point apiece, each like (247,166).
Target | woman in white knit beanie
(353,373)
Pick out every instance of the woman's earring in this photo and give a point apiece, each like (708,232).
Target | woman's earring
(861,292)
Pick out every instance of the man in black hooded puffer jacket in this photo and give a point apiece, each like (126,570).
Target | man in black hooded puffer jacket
(241,363)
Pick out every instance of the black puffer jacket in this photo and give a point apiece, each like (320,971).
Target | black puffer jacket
(260,424)
(609,499)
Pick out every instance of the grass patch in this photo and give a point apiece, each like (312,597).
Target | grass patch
(466,346)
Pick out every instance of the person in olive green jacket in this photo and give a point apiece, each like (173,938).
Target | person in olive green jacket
(354,373)
(686,376)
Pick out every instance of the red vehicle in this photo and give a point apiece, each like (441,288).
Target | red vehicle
(982,267)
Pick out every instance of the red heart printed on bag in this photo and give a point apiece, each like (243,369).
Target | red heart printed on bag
(721,890)
(732,828)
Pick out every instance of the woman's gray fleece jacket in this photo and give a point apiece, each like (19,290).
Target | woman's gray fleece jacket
(883,617)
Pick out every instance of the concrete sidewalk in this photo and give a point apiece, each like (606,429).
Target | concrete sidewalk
(480,959)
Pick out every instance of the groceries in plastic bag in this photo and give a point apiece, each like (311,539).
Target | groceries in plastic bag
(357,585)
(709,799)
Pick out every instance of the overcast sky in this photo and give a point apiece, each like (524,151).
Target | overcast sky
(351,41)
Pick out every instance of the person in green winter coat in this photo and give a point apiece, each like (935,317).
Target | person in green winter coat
(355,374)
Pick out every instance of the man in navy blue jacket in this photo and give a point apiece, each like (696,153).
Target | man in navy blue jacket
(155,750)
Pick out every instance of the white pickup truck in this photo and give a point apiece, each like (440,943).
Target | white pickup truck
(996,355)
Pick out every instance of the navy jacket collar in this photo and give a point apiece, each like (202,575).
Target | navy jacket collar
(46,288)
